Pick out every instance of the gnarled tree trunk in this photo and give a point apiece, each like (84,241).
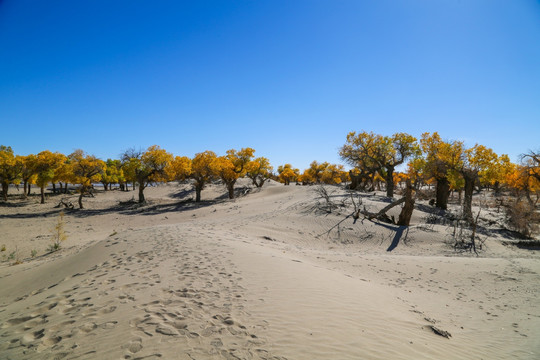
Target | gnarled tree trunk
(390,181)
(407,210)
(442,193)
(354,180)
(467,199)
(141,193)
(230,189)
(5,187)
(198,189)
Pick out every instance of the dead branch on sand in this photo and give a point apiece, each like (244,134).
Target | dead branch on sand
(67,204)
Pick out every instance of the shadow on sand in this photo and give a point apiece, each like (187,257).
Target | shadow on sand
(397,236)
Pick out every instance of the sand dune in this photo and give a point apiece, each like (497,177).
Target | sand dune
(257,278)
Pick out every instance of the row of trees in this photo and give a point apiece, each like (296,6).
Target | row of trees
(136,167)
(431,160)
(449,165)
(317,173)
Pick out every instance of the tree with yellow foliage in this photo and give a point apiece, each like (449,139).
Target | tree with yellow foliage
(28,175)
(113,174)
(496,174)
(360,151)
(306,177)
(47,163)
(333,174)
(372,153)
(287,174)
(62,174)
(259,170)
(532,161)
(476,162)
(232,166)
(180,168)
(86,170)
(202,171)
(415,171)
(393,152)
(130,163)
(315,171)
(151,166)
(522,179)
(10,169)
(442,157)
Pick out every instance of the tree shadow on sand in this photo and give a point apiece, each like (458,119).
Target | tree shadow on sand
(130,207)
(397,236)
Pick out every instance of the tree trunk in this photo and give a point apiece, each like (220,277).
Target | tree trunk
(198,189)
(442,191)
(29,188)
(230,189)
(497,188)
(105,186)
(390,181)
(5,187)
(25,186)
(42,194)
(261,182)
(80,199)
(467,199)
(354,180)
(54,188)
(382,213)
(407,210)
(141,193)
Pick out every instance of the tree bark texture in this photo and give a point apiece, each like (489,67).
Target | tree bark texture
(141,193)
(407,210)
(467,199)
(442,193)
(390,181)
(198,188)
(5,187)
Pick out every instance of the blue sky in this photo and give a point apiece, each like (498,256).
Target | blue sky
(288,78)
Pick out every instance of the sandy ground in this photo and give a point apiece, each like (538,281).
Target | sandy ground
(259,277)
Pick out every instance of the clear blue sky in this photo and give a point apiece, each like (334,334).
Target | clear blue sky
(289,78)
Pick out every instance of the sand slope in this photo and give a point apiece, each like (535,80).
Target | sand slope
(257,278)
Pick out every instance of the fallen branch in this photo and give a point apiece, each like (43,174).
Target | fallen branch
(440,332)
(67,204)
(381,215)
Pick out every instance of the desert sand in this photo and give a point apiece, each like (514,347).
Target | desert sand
(258,277)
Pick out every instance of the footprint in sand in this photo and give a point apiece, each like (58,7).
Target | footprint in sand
(134,345)
(29,338)
(51,340)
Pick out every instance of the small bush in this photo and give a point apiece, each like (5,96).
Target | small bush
(59,234)
(523,218)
